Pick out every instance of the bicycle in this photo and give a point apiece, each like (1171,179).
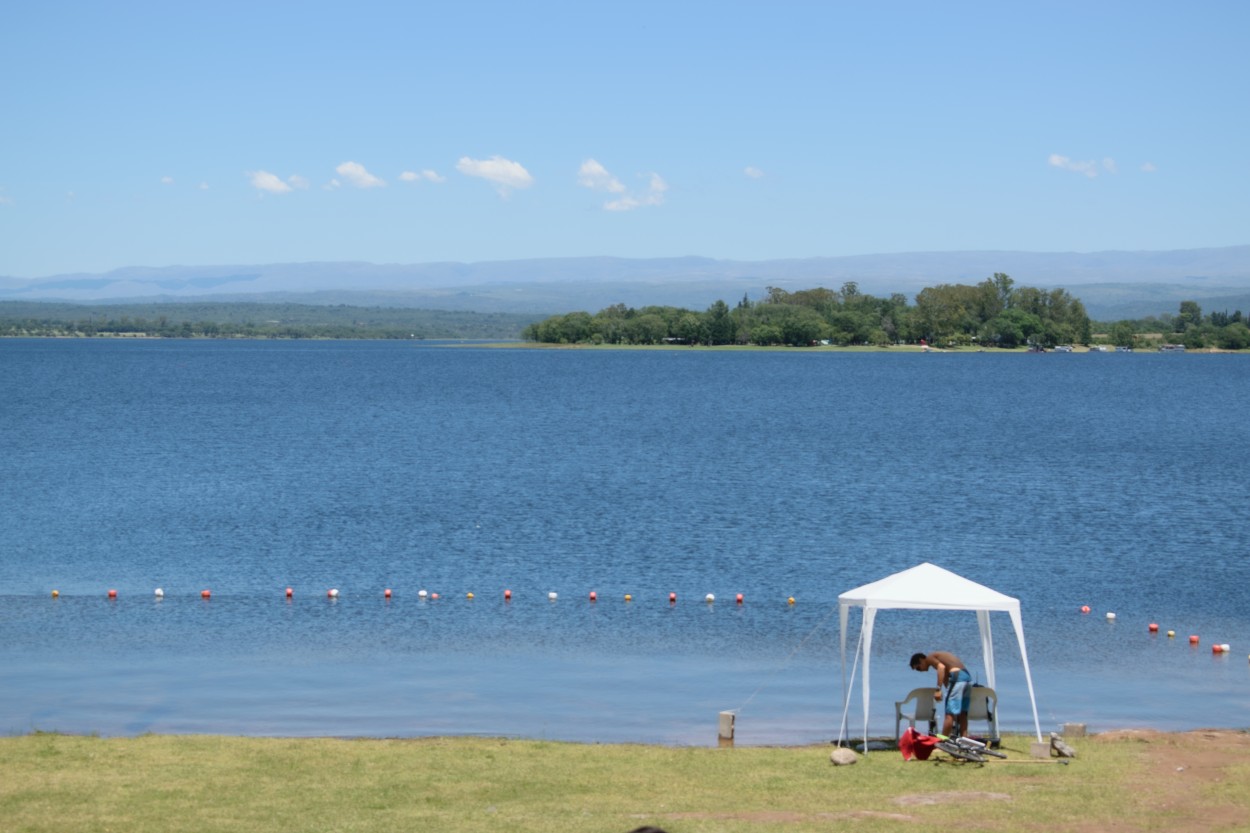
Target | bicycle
(966,749)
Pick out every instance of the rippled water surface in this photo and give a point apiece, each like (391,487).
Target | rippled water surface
(1112,480)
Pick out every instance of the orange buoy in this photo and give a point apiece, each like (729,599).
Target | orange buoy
(112,594)
(790,600)
(672,598)
(1154,628)
(1193,640)
(56,594)
(739,598)
(1085,608)
(507,595)
(205,594)
(468,595)
(289,592)
(628,598)
(433,595)
(1217,649)
(387,592)
(594,596)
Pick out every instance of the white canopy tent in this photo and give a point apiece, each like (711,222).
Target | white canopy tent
(927,587)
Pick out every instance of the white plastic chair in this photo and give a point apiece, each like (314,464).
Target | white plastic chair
(923,708)
(984,706)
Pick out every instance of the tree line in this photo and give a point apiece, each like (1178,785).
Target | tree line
(1225,330)
(993,313)
(252,320)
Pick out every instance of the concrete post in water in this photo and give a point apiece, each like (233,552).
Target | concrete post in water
(725,736)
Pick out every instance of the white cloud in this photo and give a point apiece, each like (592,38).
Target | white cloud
(1149,168)
(355,173)
(167,180)
(594,176)
(1089,169)
(654,196)
(265,181)
(505,173)
(1109,165)
(297,181)
(753,172)
(417,176)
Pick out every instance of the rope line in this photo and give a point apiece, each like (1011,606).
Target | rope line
(786,661)
(848,686)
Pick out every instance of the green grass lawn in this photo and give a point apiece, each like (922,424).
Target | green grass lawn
(61,783)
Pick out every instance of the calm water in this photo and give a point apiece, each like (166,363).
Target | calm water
(1117,481)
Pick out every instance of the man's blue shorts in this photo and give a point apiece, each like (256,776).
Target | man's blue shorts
(959,692)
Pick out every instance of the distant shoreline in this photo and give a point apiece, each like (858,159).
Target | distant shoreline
(824,348)
(530,345)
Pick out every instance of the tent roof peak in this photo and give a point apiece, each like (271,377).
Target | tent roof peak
(927,587)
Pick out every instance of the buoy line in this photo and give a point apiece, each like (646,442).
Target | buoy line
(423,595)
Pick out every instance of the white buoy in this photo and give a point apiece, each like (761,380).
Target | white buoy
(1110,617)
(333,594)
(160,594)
(552,595)
(709,598)
(1225,648)
(422,593)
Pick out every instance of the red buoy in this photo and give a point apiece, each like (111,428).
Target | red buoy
(739,599)
(1085,608)
(387,592)
(594,596)
(112,594)
(507,595)
(1154,628)
(1193,640)
(205,594)
(289,592)
(672,598)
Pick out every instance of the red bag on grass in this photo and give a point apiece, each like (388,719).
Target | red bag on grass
(915,745)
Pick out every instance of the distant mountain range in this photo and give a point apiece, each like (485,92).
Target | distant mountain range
(1113,285)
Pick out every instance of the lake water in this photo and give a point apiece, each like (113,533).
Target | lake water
(1116,481)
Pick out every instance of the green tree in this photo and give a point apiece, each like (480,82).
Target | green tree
(1190,315)
(1012,328)
(689,328)
(719,324)
(1122,334)
(766,334)
(1233,337)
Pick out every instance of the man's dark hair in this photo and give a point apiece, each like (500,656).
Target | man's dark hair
(915,659)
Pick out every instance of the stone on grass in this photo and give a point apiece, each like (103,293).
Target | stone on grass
(843,757)
(1060,748)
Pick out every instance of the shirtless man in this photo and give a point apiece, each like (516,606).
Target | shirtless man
(953,676)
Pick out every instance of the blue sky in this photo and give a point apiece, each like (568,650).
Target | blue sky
(167,133)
